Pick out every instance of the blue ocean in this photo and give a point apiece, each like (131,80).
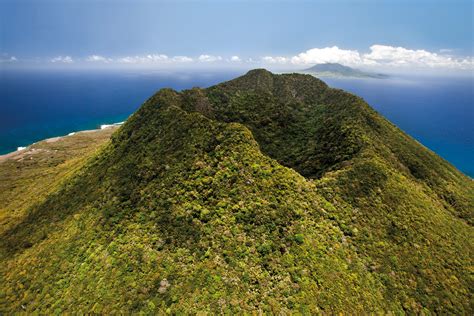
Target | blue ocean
(34,105)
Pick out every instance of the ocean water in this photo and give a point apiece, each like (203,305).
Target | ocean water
(34,105)
(436,111)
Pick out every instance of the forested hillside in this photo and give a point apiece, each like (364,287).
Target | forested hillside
(271,193)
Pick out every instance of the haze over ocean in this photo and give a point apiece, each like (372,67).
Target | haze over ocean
(35,105)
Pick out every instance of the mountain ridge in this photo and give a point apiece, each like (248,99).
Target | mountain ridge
(287,194)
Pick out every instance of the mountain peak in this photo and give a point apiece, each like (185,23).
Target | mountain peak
(266,193)
(339,70)
(328,66)
(283,87)
(258,72)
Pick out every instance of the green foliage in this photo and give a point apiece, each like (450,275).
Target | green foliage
(190,208)
(29,176)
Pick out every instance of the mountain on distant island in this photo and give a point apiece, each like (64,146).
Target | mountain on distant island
(338,70)
(266,194)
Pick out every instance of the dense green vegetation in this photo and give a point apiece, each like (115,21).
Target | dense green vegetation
(268,193)
(27,177)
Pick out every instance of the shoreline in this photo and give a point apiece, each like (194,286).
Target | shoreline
(24,149)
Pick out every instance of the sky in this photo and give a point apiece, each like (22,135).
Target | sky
(366,34)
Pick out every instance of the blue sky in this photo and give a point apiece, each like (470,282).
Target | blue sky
(277,32)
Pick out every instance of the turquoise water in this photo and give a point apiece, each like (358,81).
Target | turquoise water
(438,112)
(42,104)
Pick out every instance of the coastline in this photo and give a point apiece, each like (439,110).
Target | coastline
(28,149)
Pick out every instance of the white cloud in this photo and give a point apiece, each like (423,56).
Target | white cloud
(7,59)
(153,59)
(98,58)
(382,56)
(327,55)
(402,57)
(128,60)
(209,58)
(275,60)
(61,59)
(145,59)
(377,57)
(235,59)
(182,59)
(157,58)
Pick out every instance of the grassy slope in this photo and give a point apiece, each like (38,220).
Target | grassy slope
(180,197)
(29,176)
(185,214)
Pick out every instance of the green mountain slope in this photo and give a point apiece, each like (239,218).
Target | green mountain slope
(268,193)
(28,176)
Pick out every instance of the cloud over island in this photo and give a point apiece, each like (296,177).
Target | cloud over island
(377,56)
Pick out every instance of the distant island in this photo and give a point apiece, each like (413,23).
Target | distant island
(338,70)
